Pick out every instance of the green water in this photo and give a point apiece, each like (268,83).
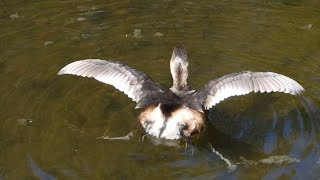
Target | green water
(50,124)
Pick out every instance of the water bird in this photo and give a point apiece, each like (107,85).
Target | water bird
(178,112)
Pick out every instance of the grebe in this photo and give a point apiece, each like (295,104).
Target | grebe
(178,112)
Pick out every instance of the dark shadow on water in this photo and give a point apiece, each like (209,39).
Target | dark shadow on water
(227,145)
(290,130)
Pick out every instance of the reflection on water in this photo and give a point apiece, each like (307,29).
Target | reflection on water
(293,133)
(37,171)
(50,125)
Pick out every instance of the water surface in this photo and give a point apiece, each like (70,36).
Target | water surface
(50,124)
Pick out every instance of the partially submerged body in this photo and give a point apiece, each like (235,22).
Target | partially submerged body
(178,112)
(179,122)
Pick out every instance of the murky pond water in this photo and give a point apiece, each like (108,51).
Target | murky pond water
(50,124)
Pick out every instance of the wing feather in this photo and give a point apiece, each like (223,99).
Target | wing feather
(243,83)
(272,85)
(133,83)
(268,84)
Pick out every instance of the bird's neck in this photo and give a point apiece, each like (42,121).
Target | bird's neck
(179,72)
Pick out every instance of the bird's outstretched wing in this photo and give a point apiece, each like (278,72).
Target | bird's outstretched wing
(133,83)
(242,83)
